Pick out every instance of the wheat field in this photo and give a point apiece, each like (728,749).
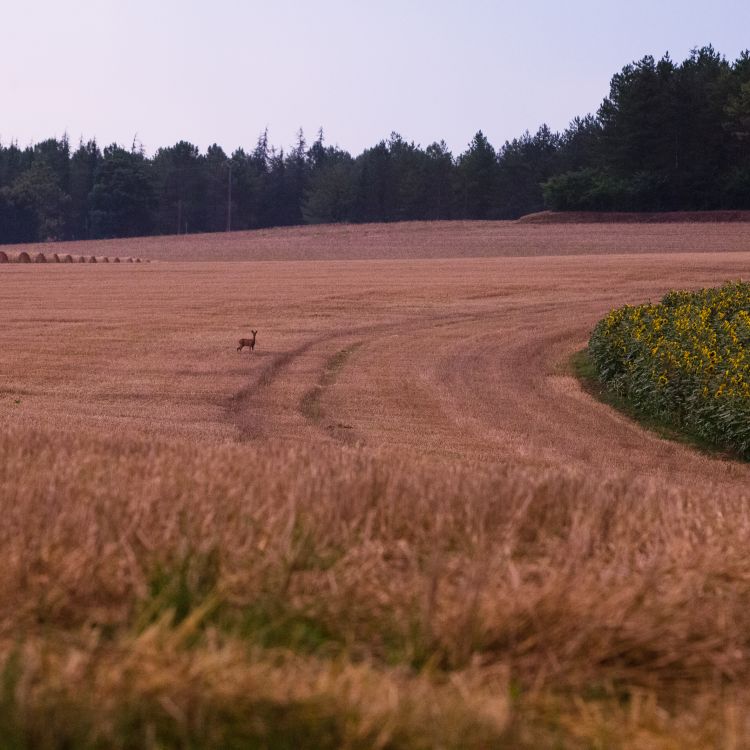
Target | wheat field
(399,523)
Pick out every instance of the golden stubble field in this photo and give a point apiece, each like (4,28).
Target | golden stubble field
(402,492)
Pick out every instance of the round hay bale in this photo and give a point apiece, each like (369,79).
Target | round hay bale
(67,259)
(24,257)
(55,258)
(137,260)
(3,257)
(92,259)
(81,258)
(129,260)
(105,259)
(115,260)
(40,258)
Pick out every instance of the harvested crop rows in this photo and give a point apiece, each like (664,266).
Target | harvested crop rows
(563,532)
(465,356)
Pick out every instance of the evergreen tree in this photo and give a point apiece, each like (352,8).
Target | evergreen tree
(123,199)
(373,194)
(408,166)
(180,181)
(83,168)
(297,171)
(523,165)
(440,183)
(330,196)
(217,189)
(478,172)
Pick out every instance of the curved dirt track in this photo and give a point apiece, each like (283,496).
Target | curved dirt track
(480,372)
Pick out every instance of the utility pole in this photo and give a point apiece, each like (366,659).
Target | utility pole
(179,216)
(229,198)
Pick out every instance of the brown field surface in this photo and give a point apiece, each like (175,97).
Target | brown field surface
(399,523)
(531,236)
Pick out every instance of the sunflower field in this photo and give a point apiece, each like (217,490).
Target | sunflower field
(684,362)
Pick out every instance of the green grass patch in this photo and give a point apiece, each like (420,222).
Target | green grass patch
(190,591)
(310,404)
(272,625)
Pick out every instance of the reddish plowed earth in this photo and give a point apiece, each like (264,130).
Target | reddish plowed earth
(622,217)
(423,240)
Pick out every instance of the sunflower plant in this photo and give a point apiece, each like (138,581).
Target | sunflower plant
(684,361)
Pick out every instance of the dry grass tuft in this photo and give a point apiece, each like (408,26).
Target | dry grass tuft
(559,584)
(164,694)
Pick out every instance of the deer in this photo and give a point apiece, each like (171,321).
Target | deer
(248,342)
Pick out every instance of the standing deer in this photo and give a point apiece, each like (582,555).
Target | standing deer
(248,342)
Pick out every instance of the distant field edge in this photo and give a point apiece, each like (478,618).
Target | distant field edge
(417,241)
(584,371)
(624,217)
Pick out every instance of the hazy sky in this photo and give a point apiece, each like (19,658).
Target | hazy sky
(222,70)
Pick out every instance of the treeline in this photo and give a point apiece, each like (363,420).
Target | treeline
(52,191)
(668,137)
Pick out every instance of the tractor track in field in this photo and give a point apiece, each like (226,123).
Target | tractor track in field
(246,408)
(491,383)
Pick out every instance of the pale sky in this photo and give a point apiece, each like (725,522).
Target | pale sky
(223,70)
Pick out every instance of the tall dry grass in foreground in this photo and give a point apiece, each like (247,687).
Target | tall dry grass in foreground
(168,595)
